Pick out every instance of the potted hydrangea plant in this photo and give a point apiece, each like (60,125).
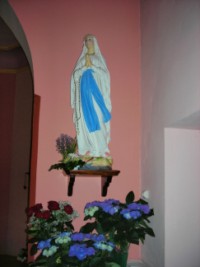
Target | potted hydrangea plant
(46,223)
(122,223)
(75,250)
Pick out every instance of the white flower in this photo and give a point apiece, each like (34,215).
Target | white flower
(49,252)
(90,211)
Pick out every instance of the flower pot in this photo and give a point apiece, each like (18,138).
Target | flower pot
(120,257)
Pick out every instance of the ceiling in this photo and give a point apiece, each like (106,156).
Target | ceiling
(12,55)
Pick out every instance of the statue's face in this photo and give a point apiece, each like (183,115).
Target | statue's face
(89,42)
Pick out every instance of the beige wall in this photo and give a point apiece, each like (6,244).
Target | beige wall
(170,97)
(182,187)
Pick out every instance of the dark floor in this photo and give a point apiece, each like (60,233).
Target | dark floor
(10,261)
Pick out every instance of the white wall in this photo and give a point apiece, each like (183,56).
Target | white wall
(170,97)
(182,188)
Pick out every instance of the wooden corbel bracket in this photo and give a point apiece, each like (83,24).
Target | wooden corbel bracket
(106,178)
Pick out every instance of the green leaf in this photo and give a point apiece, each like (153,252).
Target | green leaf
(142,201)
(88,227)
(130,197)
(87,217)
(33,249)
(70,165)
(151,213)
(133,238)
(40,262)
(57,166)
(150,232)
(99,229)
(70,225)
(95,262)
(112,264)
(32,240)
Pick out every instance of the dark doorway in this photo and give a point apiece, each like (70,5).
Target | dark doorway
(16,105)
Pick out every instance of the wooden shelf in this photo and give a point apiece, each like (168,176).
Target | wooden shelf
(106,178)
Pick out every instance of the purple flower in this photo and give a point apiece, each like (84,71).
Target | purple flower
(134,206)
(112,201)
(65,144)
(145,209)
(138,206)
(102,204)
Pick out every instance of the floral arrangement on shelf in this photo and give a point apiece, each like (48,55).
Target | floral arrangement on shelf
(75,249)
(121,223)
(43,223)
(67,147)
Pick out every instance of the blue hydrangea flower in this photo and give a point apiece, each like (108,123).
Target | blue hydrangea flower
(102,204)
(126,215)
(78,237)
(44,244)
(91,251)
(104,246)
(108,207)
(130,214)
(98,238)
(63,238)
(88,236)
(80,251)
(63,234)
(92,204)
(135,214)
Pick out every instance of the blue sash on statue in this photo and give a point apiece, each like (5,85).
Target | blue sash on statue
(89,92)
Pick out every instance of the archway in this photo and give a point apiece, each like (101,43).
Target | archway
(16,89)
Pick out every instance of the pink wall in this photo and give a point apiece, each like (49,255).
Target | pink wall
(54,33)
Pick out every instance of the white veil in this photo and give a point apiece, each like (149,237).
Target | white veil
(98,54)
(99,64)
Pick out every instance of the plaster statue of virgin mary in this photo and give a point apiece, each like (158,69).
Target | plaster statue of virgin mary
(90,100)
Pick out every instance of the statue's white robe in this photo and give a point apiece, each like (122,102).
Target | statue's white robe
(92,143)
